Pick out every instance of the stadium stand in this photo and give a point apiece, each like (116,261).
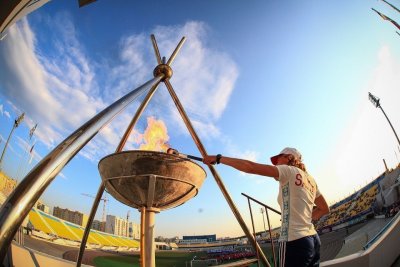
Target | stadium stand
(39,223)
(58,228)
(353,221)
(358,204)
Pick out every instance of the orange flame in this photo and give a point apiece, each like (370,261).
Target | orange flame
(155,136)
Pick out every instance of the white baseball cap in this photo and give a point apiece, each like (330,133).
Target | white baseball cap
(287,151)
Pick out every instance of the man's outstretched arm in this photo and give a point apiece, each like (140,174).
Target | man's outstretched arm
(245,165)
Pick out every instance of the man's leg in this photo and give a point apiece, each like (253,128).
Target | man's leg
(299,253)
(317,246)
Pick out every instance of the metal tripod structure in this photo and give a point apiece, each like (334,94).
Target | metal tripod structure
(22,199)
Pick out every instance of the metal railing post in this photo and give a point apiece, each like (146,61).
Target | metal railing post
(266,207)
(254,231)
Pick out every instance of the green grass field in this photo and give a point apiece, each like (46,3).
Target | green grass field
(163,259)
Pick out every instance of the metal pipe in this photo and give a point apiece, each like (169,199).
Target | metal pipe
(135,118)
(5,146)
(217,178)
(376,102)
(177,48)
(254,231)
(142,233)
(266,207)
(149,247)
(262,204)
(391,126)
(122,143)
(156,51)
(102,186)
(270,236)
(15,125)
(93,211)
(22,199)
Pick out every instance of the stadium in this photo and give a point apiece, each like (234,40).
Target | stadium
(358,229)
(362,229)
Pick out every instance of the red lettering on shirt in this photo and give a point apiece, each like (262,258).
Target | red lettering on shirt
(299,181)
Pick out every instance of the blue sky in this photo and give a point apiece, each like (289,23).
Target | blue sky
(253,76)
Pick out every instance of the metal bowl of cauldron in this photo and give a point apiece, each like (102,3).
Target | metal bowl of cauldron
(151,179)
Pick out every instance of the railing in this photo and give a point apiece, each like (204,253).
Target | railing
(383,230)
(266,207)
(19,236)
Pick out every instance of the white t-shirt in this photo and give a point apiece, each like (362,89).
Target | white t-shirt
(297,193)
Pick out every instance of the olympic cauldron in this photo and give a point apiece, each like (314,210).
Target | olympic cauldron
(150,181)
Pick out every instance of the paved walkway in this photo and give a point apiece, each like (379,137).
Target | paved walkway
(356,241)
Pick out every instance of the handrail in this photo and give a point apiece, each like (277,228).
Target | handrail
(381,231)
(262,204)
(266,207)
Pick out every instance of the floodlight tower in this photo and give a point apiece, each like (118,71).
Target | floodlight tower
(16,124)
(262,215)
(376,102)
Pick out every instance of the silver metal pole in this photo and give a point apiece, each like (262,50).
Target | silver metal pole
(394,131)
(155,47)
(149,247)
(270,237)
(101,189)
(217,178)
(16,124)
(178,47)
(254,232)
(93,211)
(377,103)
(5,146)
(22,199)
(142,259)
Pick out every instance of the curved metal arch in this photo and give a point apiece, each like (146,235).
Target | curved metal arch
(25,195)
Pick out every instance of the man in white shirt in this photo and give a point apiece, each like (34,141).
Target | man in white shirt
(299,199)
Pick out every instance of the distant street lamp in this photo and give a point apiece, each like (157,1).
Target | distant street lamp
(16,124)
(375,100)
(262,214)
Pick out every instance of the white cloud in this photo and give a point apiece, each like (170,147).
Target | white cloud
(58,86)
(203,77)
(4,112)
(62,175)
(58,98)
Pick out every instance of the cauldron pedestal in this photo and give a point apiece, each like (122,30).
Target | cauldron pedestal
(151,182)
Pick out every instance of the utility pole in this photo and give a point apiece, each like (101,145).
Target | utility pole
(376,102)
(16,124)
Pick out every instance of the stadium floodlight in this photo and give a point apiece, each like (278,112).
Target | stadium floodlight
(262,215)
(376,102)
(16,124)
